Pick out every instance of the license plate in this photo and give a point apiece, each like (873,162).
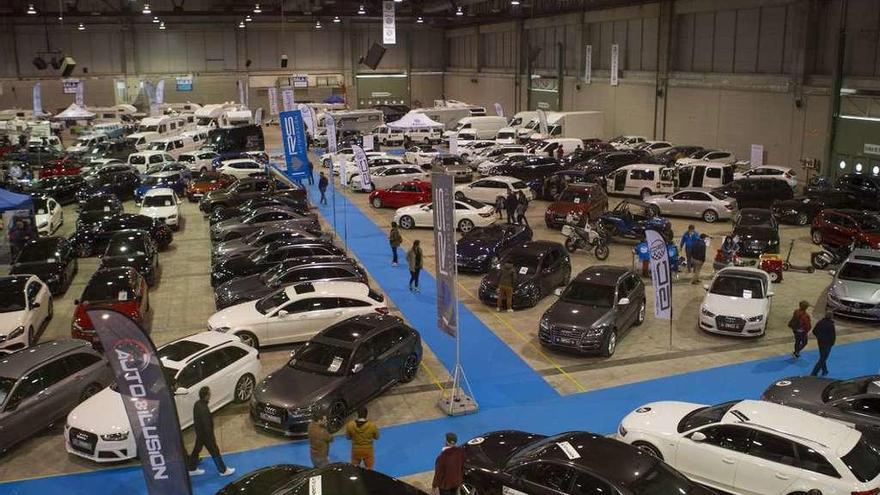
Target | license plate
(270,418)
(81,444)
(564,341)
(727,326)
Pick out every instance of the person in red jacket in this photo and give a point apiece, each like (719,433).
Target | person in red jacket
(449,468)
(800,325)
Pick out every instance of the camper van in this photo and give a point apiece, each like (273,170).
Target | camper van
(208,116)
(586,124)
(165,126)
(645,179)
(235,139)
(174,146)
(363,121)
(236,117)
(112,130)
(483,127)
(141,140)
(450,115)
(180,108)
(86,141)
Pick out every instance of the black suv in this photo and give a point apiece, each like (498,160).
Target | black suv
(541,267)
(602,164)
(532,170)
(862,190)
(93,239)
(757,193)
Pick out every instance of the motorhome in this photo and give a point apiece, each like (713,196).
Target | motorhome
(450,115)
(236,117)
(112,130)
(581,124)
(179,108)
(86,141)
(164,125)
(363,121)
(208,116)
(114,113)
(174,145)
(646,179)
(480,127)
(141,140)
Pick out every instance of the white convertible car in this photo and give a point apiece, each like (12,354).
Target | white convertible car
(737,302)
(468,214)
(388,176)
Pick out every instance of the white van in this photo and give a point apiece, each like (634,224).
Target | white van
(140,140)
(174,146)
(199,161)
(199,136)
(507,136)
(424,135)
(551,146)
(110,129)
(164,125)
(85,142)
(645,179)
(483,127)
(143,160)
(386,136)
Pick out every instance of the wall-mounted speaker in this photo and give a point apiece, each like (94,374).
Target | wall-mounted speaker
(67,66)
(55,63)
(284,61)
(374,56)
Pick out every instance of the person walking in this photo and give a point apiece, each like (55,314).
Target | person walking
(825,334)
(800,326)
(322,186)
(522,205)
(644,254)
(448,468)
(687,241)
(203,424)
(395,239)
(319,440)
(511,205)
(698,257)
(362,432)
(506,279)
(499,206)
(311,170)
(414,260)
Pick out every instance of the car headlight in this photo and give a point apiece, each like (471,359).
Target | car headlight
(15,333)
(621,431)
(114,437)
(545,323)
(706,312)
(756,318)
(222,329)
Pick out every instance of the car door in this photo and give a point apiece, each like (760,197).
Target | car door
(300,320)
(36,313)
(364,375)
(390,355)
(539,478)
(716,459)
(839,229)
(626,288)
(483,190)
(770,466)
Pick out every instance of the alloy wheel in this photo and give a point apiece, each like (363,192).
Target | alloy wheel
(244,389)
(410,368)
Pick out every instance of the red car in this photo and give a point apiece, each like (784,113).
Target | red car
(207,182)
(63,166)
(403,194)
(839,228)
(120,288)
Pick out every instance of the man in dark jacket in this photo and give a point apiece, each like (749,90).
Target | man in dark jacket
(395,240)
(511,205)
(697,257)
(825,334)
(506,280)
(322,186)
(449,468)
(203,424)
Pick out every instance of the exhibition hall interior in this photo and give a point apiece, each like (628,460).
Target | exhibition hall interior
(440,247)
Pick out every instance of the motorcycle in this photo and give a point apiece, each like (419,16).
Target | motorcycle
(586,237)
(831,255)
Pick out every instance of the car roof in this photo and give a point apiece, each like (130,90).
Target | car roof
(331,288)
(534,247)
(865,255)
(209,339)
(503,178)
(602,274)
(159,191)
(357,329)
(239,160)
(17,364)
(742,270)
(15,281)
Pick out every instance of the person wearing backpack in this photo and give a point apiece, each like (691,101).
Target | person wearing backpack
(800,325)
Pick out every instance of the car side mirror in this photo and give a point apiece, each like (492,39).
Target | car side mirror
(698,436)
(832,272)
(558,291)
(282,313)
(770,293)
(357,368)
(623,302)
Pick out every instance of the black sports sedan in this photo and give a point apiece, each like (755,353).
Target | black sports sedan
(855,401)
(480,248)
(267,257)
(238,227)
(575,462)
(93,239)
(98,208)
(298,205)
(62,188)
(338,370)
(246,245)
(133,248)
(540,266)
(758,232)
(333,479)
(52,259)
(289,272)
(801,211)
(122,184)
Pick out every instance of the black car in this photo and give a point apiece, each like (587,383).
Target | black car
(334,479)
(52,259)
(541,267)
(235,139)
(862,189)
(61,187)
(236,194)
(756,193)
(295,204)
(670,156)
(802,210)
(758,232)
(854,401)
(97,208)
(338,370)
(288,272)
(532,170)
(121,184)
(237,227)
(597,308)
(574,462)
(93,239)
(604,163)
(134,248)
(267,257)
(479,249)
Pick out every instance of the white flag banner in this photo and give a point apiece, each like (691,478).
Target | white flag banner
(368,142)
(453,144)
(80,94)
(615,63)
(363,166)
(389,35)
(273,101)
(330,125)
(38,99)
(287,99)
(258,116)
(160,92)
(588,65)
(661,275)
(242,92)
(499,110)
(308,117)
(542,123)
(757,155)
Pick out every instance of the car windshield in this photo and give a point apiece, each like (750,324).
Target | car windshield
(272,301)
(860,272)
(41,205)
(318,357)
(180,350)
(186,159)
(6,385)
(704,416)
(750,218)
(137,159)
(105,289)
(660,479)
(868,223)
(252,238)
(258,255)
(534,447)
(492,232)
(39,252)
(522,263)
(718,195)
(589,294)
(158,200)
(745,287)
(574,197)
(125,246)
(863,460)
(12,296)
(155,181)
(847,388)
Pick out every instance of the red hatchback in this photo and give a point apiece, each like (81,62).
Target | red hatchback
(122,289)
(63,166)
(403,194)
(207,182)
(839,228)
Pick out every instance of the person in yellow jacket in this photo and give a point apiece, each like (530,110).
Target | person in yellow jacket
(362,432)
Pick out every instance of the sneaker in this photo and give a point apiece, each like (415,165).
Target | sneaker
(510,310)
(197,472)
(393,264)
(794,355)
(229,471)
(418,291)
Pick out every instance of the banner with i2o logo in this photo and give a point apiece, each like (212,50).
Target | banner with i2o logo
(293,135)
(661,275)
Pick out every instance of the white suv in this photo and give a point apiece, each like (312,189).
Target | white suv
(99,430)
(753,447)
(143,160)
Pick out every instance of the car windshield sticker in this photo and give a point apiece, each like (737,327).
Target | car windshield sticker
(577,199)
(510,491)
(334,366)
(747,294)
(122,295)
(523,270)
(315,485)
(476,441)
(569,450)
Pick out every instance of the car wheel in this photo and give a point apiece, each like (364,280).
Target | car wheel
(774,276)
(641,316)
(336,416)
(465,225)
(645,193)
(89,391)
(406,222)
(376,202)
(816,237)
(409,369)
(216,208)
(244,389)
(802,219)
(83,250)
(248,339)
(571,245)
(648,449)
(709,216)
(609,345)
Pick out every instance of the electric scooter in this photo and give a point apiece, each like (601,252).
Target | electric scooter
(786,265)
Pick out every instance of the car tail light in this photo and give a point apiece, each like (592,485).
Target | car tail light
(788,175)
(487,215)
(728,206)
(873,491)
(382,310)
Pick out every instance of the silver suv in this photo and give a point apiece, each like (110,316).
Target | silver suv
(41,384)
(855,290)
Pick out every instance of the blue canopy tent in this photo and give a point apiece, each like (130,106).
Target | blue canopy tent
(17,213)
(14,201)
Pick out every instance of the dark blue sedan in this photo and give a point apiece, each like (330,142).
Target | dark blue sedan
(480,248)
(172,180)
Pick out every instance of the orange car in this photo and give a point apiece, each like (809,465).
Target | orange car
(207,182)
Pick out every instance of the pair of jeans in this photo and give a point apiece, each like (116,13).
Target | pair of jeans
(319,462)
(822,364)
(800,341)
(211,445)
(414,278)
(323,197)
(394,254)
(505,298)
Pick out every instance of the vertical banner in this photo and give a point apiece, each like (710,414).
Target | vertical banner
(287,99)
(293,135)
(368,142)
(273,101)
(615,63)
(499,110)
(661,276)
(542,123)
(363,166)
(149,405)
(258,116)
(330,125)
(453,143)
(757,155)
(38,99)
(80,95)
(389,36)
(443,190)
(588,65)
(160,92)
(242,91)
(308,117)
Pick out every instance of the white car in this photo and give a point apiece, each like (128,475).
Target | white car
(755,448)
(737,302)
(341,156)
(654,147)
(198,161)
(241,168)
(487,167)
(468,214)
(48,214)
(297,312)
(507,135)
(143,160)
(711,206)
(421,155)
(770,172)
(719,156)
(627,142)
(495,153)
(25,307)
(488,189)
(162,203)
(424,136)
(388,176)
(99,430)
(374,159)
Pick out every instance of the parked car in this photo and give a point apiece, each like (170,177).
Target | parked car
(489,166)
(239,192)
(163,180)
(453,165)
(488,189)
(39,386)
(541,267)
(803,210)
(48,215)
(133,248)
(52,259)
(403,194)
(787,174)
(99,429)
(242,167)
(205,183)
(122,289)
(756,193)
(855,401)
(480,249)
(631,218)
(597,308)
(62,188)
(468,214)
(840,228)
(783,450)
(707,155)
(143,160)
(710,206)
(25,309)
(533,170)
(67,165)
(248,207)
(200,161)
(121,184)
(758,232)
(96,209)
(162,204)
(180,168)
(338,370)
(237,227)
(93,239)
(855,289)
(862,189)
(388,136)
(603,164)
(737,302)
(384,177)
(267,257)
(586,199)
(670,156)
(626,142)
(338,479)
(297,312)
(256,240)
(574,462)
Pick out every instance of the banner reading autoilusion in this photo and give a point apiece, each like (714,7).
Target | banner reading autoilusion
(330,125)
(661,275)
(273,100)
(443,190)
(293,135)
(363,166)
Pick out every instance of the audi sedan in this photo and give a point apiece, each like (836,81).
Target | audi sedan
(541,267)
(854,401)
(335,479)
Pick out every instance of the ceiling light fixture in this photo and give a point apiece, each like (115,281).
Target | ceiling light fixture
(459,11)
(241,24)
(155,20)
(336,19)
(81,27)
(162,26)
(361,10)
(318,25)
(146,10)
(257,9)
(31,10)
(248,19)
(419,20)
(514,2)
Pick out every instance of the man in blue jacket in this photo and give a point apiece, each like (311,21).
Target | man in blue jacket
(688,239)
(826,335)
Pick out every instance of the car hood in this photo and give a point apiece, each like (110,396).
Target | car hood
(491,450)
(228,223)
(756,232)
(735,306)
(240,314)
(796,390)
(659,417)
(137,261)
(576,315)
(202,187)
(10,321)
(565,207)
(491,278)
(250,286)
(102,413)
(476,247)
(410,210)
(158,211)
(855,290)
(292,388)
(229,247)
